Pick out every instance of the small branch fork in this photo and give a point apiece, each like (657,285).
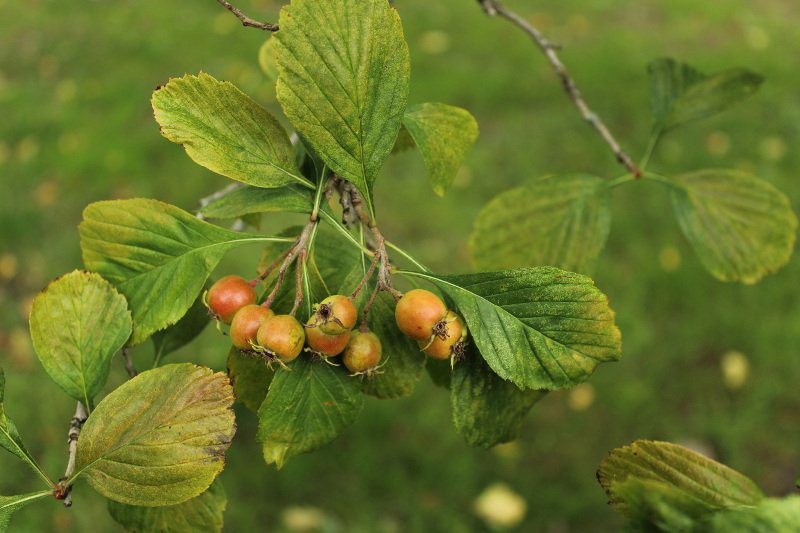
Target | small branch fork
(354,212)
(247,21)
(299,252)
(495,8)
(62,490)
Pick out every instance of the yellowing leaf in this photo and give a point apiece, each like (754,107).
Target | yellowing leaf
(741,227)
(443,134)
(224,130)
(160,438)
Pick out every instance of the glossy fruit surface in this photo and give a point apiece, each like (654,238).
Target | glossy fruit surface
(282,336)
(363,352)
(441,346)
(245,324)
(324,344)
(228,295)
(417,313)
(336,314)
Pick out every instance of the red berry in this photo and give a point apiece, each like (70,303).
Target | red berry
(245,324)
(363,352)
(336,314)
(417,312)
(282,336)
(228,295)
(327,345)
(442,345)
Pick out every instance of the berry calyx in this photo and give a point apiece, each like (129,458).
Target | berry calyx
(448,333)
(363,352)
(245,324)
(324,344)
(282,336)
(417,312)
(335,315)
(228,295)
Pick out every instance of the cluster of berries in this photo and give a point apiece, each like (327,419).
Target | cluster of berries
(439,332)
(327,333)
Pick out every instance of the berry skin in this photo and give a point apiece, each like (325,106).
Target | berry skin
(245,324)
(327,345)
(453,331)
(363,352)
(417,312)
(228,295)
(283,336)
(336,314)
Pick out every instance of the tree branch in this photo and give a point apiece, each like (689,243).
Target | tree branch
(247,21)
(495,8)
(64,492)
(126,356)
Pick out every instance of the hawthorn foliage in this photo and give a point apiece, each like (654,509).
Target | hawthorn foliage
(155,445)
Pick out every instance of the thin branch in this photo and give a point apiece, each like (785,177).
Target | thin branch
(299,248)
(495,8)
(247,21)
(62,491)
(126,356)
(216,196)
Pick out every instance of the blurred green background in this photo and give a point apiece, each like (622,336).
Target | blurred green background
(76,127)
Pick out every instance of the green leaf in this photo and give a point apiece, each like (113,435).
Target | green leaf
(656,506)
(740,226)
(560,221)
(157,255)
(201,514)
(11,504)
(250,376)
(77,325)
(444,134)
(183,331)
(306,407)
(268,59)
(160,438)
(769,516)
(225,131)
(696,477)
(540,328)
(248,200)
(11,440)
(440,372)
(486,409)
(343,73)
(680,94)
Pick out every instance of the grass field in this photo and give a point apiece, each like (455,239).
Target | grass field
(76,127)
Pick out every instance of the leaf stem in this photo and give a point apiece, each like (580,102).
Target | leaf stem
(616,182)
(651,146)
(318,195)
(408,256)
(29,459)
(652,176)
